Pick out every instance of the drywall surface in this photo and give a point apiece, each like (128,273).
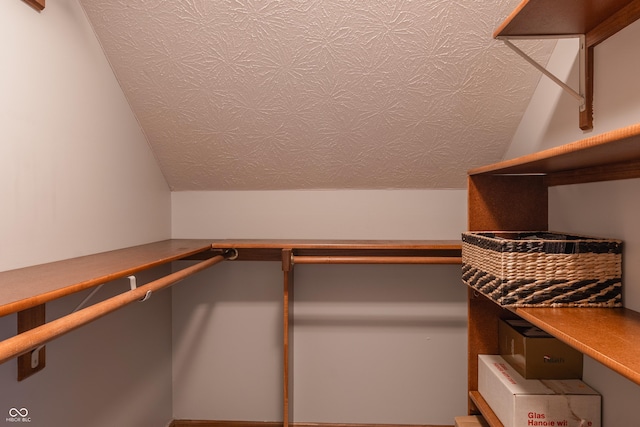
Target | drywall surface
(115,371)
(77,177)
(544,102)
(340,214)
(372,344)
(607,209)
(76,173)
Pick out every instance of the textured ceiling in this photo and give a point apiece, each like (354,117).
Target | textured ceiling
(317,94)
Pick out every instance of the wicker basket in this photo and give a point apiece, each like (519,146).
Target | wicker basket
(543,269)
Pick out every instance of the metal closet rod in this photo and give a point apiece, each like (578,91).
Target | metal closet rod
(297,259)
(26,341)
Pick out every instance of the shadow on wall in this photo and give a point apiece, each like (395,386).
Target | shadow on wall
(380,296)
(355,327)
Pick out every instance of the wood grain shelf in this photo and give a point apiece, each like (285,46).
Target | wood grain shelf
(567,17)
(31,286)
(484,408)
(609,335)
(25,291)
(28,287)
(593,21)
(271,250)
(592,159)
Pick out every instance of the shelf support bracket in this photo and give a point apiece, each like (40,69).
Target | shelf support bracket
(582,93)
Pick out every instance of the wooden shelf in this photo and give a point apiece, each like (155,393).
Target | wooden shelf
(609,335)
(484,408)
(594,20)
(568,17)
(32,286)
(25,291)
(611,155)
(271,250)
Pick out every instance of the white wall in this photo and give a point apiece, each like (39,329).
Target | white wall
(77,177)
(74,163)
(372,344)
(603,209)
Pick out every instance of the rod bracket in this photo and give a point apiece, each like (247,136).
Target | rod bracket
(230,254)
(133,285)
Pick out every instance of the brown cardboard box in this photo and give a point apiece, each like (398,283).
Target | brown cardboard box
(534,354)
(471,421)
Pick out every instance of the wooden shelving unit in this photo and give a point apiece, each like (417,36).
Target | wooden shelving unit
(595,20)
(512,196)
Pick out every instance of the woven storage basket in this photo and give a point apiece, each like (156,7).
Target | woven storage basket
(543,269)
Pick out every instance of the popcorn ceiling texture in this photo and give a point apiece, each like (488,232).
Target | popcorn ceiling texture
(318,94)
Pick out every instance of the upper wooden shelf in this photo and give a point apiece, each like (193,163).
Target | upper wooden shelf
(271,250)
(611,155)
(597,20)
(593,21)
(28,287)
(334,244)
(608,335)
(31,286)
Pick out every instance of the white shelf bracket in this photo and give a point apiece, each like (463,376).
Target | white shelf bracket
(580,96)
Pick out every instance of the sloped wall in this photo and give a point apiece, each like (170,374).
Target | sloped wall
(77,177)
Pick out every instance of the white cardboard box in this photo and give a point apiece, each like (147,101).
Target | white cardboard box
(519,402)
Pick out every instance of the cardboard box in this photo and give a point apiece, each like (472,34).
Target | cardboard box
(470,421)
(519,402)
(536,354)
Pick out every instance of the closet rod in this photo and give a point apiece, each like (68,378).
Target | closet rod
(26,341)
(296,259)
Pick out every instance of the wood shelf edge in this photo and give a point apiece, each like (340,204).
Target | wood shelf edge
(270,250)
(38,5)
(484,408)
(607,352)
(80,273)
(167,251)
(549,19)
(614,23)
(333,244)
(621,145)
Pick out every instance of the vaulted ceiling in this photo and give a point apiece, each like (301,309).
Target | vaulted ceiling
(318,94)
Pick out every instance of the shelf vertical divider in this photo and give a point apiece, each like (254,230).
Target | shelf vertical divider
(507,202)
(498,203)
